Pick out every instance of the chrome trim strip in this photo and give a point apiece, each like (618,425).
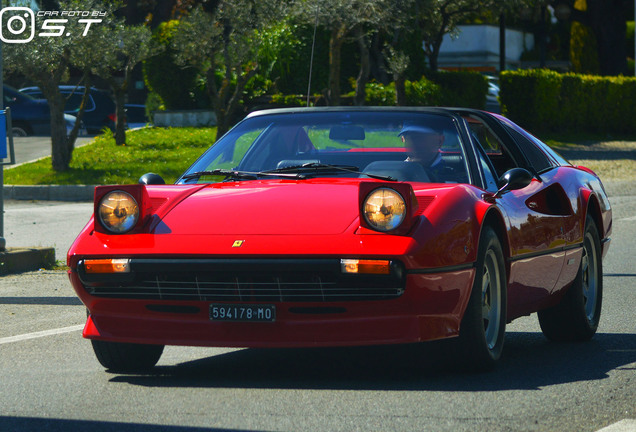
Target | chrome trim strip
(447,269)
(546,252)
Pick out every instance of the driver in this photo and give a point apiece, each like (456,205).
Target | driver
(423,144)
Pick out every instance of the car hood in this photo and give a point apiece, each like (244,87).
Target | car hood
(269,207)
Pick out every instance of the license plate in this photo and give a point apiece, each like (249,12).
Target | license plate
(243,312)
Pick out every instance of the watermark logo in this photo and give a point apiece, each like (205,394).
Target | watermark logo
(15,22)
(19,25)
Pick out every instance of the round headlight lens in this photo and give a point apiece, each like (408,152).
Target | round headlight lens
(118,212)
(384,209)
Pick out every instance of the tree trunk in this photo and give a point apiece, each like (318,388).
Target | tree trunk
(61,146)
(607,21)
(120,113)
(219,101)
(435,43)
(400,89)
(72,136)
(433,53)
(213,94)
(378,67)
(335,49)
(365,68)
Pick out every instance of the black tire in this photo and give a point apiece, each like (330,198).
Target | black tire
(483,327)
(20,130)
(127,358)
(576,317)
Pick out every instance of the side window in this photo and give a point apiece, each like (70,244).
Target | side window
(453,159)
(488,140)
(534,154)
(498,155)
(489,173)
(74,100)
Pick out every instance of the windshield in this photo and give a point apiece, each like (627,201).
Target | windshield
(392,145)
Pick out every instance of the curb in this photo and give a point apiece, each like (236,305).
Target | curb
(18,260)
(50,192)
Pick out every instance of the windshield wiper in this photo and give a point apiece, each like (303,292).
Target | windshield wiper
(223,172)
(284,172)
(322,167)
(380,177)
(240,175)
(316,166)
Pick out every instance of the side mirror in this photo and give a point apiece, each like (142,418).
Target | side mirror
(516,178)
(151,179)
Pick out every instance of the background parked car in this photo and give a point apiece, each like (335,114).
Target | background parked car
(100,109)
(492,98)
(32,116)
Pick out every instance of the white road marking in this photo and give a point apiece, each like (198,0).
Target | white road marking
(40,334)
(627,425)
(633,218)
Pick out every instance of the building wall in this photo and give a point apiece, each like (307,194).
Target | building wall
(478,46)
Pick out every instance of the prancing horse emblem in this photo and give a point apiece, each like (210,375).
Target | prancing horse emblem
(238,243)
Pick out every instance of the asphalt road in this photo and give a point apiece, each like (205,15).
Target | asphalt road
(31,148)
(50,380)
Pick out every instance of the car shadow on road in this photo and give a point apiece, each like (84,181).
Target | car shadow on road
(46,301)
(51,424)
(529,362)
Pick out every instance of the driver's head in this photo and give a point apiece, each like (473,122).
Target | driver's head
(423,142)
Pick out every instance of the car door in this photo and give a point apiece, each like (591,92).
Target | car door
(536,215)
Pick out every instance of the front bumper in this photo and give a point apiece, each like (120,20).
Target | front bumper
(407,306)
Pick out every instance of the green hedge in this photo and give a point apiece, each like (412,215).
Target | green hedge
(457,89)
(543,100)
(418,93)
(461,88)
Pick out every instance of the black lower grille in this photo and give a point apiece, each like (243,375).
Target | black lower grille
(243,281)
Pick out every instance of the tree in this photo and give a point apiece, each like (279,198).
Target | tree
(398,63)
(46,60)
(606,19)
(173,83)
(223,43)
(436,18)
(116,49)
(283,56)
(403,45)
(346,20)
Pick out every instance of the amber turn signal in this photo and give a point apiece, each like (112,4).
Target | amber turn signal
(365,266)
(107,266)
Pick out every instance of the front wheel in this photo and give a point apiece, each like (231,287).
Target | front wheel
(483,327)
(126,358)
(577,316)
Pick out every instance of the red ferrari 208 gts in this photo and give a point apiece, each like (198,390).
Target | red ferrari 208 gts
(337,227)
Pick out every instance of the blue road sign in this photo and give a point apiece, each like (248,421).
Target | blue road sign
(3,134)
